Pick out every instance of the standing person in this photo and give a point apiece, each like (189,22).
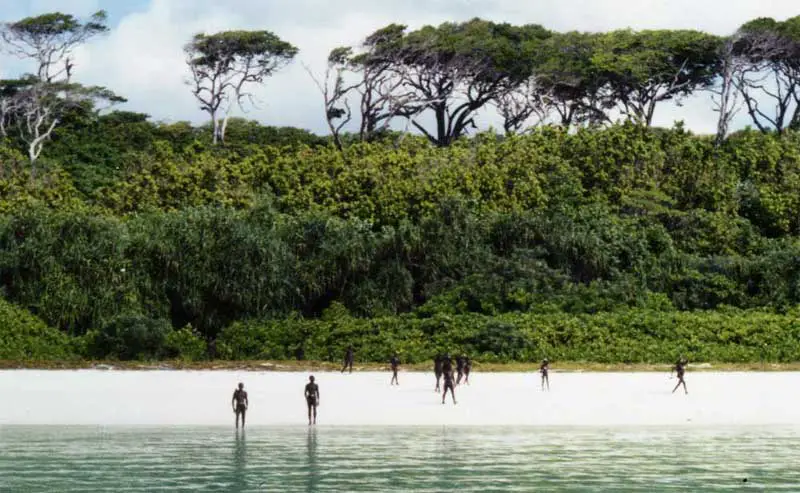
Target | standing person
(680,369)
(459,368)
(449,384)
(395,362)
(447,365)
(239,403)
(467,368)
(437,370)
(544,369)
(312,398)
(348,359)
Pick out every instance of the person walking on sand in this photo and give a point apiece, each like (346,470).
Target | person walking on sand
(467,369)
(680,369)
(459,368)
(437,370)
(544,369)
(239,403)
(449,384)
(395,362)
(348,359)
(312,399)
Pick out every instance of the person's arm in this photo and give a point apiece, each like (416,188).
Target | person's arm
(317,391)
(246,401)
(233,401)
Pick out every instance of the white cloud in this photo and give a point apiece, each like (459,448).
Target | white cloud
(142,57)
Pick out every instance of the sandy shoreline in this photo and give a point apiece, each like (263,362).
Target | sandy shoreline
(293,366)
(203,398)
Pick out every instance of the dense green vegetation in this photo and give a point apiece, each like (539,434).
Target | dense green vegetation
(616,244)
(125,238)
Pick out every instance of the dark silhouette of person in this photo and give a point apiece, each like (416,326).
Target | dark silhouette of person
(467,369)
(449,384)
(447,364)
(437,370)
(680,369)
(348,359)
(395,362)
(459,369)
(312,399)
(544,369)
(239,403)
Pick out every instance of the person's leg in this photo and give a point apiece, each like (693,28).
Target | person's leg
(309,413)
(315,413)
(453,394)
(244,413)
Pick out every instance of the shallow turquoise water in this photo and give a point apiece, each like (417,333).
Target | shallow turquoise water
(90,459)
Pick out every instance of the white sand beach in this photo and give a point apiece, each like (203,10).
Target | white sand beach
(107,398)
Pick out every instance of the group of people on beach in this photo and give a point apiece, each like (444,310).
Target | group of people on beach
(442,368)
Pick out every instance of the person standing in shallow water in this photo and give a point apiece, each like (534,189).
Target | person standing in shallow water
(680,369)
(312,399)
(437,370)
(395,362)
(544,369)
(239,403)
(348,359)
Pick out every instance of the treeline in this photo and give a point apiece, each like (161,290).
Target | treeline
(436,79)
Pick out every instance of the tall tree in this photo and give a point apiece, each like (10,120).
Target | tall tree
(335,92)
(576,89)
(724,95)
(49,40)
(456,69)
(523,102)
(772,74)
(373,74)
(225,63)
(647,67)
(383,94)
(36,102)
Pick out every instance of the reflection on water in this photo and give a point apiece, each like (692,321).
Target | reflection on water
(311,464)
(240,462)
(88,459)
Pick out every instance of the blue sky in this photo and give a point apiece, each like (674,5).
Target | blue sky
(142,59)
(117,9)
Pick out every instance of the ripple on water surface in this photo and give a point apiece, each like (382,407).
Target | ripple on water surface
(88,459)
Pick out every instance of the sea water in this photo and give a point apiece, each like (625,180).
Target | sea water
(174,431)
(121,459)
